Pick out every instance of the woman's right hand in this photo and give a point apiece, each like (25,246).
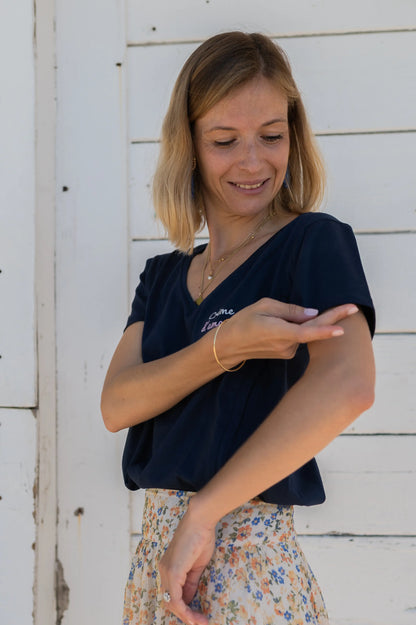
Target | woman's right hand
(273,329)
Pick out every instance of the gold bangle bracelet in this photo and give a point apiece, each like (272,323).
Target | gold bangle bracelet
(237,367)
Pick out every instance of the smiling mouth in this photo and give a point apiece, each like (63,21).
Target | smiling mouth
(249,187)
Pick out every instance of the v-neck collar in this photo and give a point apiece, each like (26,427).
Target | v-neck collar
(201,248)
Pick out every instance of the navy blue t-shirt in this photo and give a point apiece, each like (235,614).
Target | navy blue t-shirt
(314,262)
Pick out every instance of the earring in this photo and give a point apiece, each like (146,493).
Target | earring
(193,178)
(286,181)
(193,186)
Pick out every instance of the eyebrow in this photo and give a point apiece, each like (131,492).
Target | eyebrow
(269,123)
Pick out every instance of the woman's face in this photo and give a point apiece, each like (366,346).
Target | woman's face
(242,149)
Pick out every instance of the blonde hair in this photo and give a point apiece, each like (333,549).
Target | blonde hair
(217,67)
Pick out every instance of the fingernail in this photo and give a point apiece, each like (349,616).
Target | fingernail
(310,312)
(338,332)
(353,310)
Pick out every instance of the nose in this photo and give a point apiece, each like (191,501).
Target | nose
(250,158)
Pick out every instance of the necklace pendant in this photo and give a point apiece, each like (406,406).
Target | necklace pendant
(199,300)
(210,276)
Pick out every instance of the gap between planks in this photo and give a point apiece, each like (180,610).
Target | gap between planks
(322,133)
(333,33)
(359,232)
(137,535)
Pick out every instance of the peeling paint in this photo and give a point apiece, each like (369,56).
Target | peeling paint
(35,492)
(34,25)
(62,592)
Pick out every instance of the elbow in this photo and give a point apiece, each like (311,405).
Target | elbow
(108,414)
(364,397)
(359,397)
(111,426)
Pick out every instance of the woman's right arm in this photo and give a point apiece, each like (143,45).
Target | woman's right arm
(134,391)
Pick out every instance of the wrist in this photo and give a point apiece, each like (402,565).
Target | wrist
(202,512)
(225,356)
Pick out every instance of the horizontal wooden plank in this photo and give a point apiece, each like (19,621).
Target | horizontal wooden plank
(17,525)
(369,482)
(142,164)
(394,409)
(362,187)
(338,96)
(370,180)
(342,80)
(365,581)
(156,21)
(361,474)
(151,74)
(389,261)
(17,316)
(17,201)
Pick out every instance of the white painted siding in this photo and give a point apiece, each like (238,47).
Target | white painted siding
(115,66)
(367,580)
(17,527)
(92,299)
(17,207)
(18,372)
(190,20)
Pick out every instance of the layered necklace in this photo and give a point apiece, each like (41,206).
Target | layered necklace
(216,265)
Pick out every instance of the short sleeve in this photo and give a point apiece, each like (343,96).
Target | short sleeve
(328,271)
(138,307)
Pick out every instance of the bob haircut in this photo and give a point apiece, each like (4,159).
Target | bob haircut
(217,67)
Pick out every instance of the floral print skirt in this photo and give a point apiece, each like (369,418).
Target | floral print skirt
(258,574)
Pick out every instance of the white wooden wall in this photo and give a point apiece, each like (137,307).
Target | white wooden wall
(354,62)
(116,61)
(18,389)
(92,296)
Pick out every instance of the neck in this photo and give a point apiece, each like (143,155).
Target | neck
(237,231)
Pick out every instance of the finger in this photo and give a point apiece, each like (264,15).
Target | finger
(284,337)
(191,585)
(308,334)
(185,614)
(288,312)
(333,315)
(182,589)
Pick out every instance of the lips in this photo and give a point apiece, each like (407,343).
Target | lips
(249,186)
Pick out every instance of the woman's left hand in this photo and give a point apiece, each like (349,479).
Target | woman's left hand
(182,565)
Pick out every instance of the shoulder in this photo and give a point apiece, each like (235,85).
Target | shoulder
(306,221)
(321,227)
(164,263)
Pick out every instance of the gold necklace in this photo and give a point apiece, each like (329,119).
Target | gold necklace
(224,259)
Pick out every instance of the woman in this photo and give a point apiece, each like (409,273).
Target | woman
(228,378)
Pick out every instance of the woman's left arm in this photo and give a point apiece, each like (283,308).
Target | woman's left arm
(337,386)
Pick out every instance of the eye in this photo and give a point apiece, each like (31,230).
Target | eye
(224,144)
(272,138)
